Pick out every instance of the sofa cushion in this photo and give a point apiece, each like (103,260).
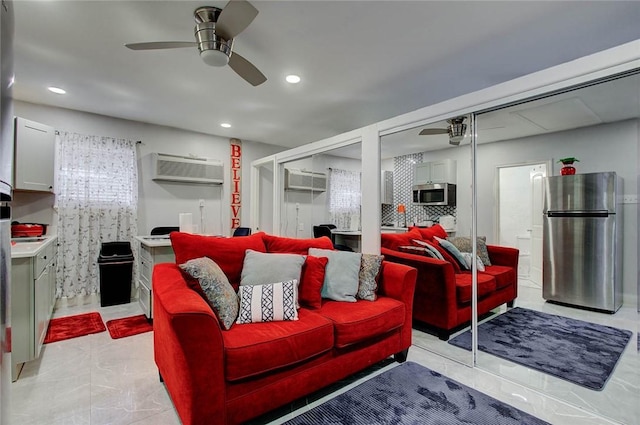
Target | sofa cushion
(260,268)
(368,276)
(293,245)
(486,285)
(216,288)
(268,303)
(341,275)
(255,348)
(310,288)
(228,253)
(363,320)
(394,240)
(427,233)
(504,275)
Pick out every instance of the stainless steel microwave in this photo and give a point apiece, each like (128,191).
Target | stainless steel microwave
(435,194)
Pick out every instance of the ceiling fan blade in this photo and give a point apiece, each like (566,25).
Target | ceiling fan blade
(234,18)
(246,70)
(432,131)
(154,45)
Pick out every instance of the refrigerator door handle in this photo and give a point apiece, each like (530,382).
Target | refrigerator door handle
(596,213)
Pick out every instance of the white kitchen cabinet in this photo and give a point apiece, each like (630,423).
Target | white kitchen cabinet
(34,156)
(151,252)
(33,290)
(443,171)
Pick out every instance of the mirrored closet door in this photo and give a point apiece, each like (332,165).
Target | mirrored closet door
(577,276)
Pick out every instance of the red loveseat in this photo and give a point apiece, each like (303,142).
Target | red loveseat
(442,298)
(215,376)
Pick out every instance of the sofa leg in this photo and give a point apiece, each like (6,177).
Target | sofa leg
(160,376)
(511,303)
(444,335)
(401,357)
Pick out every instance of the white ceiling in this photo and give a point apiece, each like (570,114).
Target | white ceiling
(360,61)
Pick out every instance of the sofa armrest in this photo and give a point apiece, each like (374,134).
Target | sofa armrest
(503,255)
(398,281)
(187,336)
(435,295)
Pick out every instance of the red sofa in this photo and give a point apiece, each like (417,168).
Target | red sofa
(229,377)
(442,298)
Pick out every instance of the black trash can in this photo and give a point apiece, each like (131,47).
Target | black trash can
(116,273)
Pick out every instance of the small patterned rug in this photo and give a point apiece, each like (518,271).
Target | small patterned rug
(580,352)
(412,394)
(129,326)
(62,328)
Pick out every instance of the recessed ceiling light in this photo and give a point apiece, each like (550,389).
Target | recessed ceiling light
(293,79)
(225,125)
(56,90)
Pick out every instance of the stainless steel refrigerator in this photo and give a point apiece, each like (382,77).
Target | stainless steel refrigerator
(582,241)
(6,178)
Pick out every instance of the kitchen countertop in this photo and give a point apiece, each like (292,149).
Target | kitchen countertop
(30,247)
(154,241)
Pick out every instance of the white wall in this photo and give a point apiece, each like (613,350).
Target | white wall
(159,202)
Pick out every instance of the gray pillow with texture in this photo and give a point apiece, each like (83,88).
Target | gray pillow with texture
(215,285)
(463,244)
(368,276)
(261,268)
(342,274)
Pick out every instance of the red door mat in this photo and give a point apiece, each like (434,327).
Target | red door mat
(128,326)
(62,328)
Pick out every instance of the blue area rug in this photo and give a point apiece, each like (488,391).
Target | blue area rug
(412,394)
(580,352)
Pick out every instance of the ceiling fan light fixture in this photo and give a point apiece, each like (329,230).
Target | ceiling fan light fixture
(214,57)
(457,130)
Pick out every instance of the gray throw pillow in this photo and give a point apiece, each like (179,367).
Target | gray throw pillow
(368,276)
(341,275)
(463,244)
(215,285)
(261,268)
(455,252)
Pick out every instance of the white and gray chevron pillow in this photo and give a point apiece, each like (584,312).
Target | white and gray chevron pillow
(268,303)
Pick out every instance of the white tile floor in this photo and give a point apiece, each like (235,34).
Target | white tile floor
(96,380)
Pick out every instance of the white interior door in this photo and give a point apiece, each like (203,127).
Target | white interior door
(537,175)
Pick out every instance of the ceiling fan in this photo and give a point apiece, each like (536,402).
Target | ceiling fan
(214,32)
(456,130)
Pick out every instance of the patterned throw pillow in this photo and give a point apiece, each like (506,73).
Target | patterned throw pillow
(467,258)
(463,244)
(432,249)
(216,287)
(268,303)
(416,250)
(368,276)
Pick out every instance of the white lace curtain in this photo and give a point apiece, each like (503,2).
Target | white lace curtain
(344,198)
(96,201)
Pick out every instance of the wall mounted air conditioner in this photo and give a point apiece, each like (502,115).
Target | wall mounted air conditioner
(186,169)
(295,179)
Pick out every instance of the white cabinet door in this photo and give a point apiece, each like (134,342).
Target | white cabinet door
(422,173)
(35,151)
(443,171)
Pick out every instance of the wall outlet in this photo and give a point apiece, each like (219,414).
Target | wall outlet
(301,227)
(201,202)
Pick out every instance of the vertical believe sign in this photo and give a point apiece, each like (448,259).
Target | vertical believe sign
(236,170)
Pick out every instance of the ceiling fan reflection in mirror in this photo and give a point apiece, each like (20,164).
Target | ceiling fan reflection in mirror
(456,130)
(214,32)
